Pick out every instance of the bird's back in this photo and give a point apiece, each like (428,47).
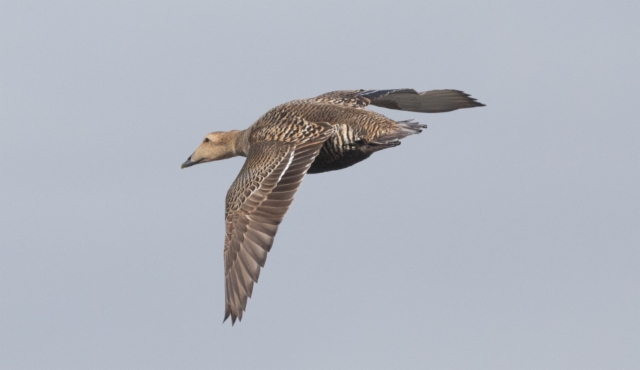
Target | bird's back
(295,122)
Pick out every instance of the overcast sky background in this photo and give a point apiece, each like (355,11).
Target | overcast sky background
(501,237)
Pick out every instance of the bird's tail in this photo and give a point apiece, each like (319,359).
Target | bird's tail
(402,130)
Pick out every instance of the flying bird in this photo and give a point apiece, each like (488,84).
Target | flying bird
(329,132)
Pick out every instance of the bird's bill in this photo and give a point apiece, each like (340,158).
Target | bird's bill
(188,163)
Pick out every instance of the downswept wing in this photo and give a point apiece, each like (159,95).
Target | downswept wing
(434,101)
(256,204)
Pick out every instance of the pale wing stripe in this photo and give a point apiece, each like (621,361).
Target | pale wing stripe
(293,152)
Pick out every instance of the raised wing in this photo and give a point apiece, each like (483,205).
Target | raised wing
(434,101)
(256,204)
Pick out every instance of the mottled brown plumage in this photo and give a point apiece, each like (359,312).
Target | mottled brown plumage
(329,132)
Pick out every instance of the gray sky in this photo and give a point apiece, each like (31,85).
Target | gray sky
(501,237)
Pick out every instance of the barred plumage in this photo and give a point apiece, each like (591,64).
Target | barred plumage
(329,132)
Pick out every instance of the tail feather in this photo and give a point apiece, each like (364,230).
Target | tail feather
(403,129)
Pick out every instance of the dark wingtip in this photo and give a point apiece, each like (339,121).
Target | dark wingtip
(477,103)
(474,101)
(227,313)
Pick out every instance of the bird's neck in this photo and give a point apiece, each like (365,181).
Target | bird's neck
(239,140)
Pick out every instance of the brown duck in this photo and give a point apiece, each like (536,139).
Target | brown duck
(329,132)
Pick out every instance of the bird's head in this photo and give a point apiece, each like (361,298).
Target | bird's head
(215,146)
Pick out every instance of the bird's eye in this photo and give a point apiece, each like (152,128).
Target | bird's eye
(206,140)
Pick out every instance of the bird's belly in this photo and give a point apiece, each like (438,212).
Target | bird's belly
(338,152)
